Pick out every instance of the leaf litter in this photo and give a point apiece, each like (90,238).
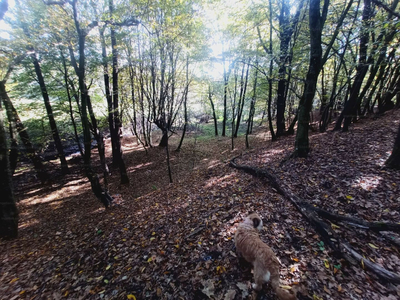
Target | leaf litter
(175,241)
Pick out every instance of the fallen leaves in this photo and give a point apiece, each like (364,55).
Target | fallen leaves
(175,242)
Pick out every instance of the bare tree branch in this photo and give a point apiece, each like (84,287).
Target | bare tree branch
(387,8)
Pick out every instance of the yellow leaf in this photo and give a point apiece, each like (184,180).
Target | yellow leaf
(373,246)
(295,259)
(334,226)
(362,263)
(285,287)
(152,238)
(108,267)
(326,264)
(349,197)
(14,280)
(66,293)
(339,288)
(131,297)
(22,292)
(150,259)
(177,246)
(153,233)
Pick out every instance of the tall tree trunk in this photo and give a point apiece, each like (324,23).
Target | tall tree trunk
(52,122)
(271,128)
(13,157)
(252,106)
(97,189)
(242,96)
(106,78)
(185,96)
(71,113)
(23,134)
(285,36)
(117,120)
(8,208)
(213,110)
(316,22)
(226,78)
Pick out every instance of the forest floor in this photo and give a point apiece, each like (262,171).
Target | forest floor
(175,241)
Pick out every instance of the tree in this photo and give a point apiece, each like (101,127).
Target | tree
(316,22)
(86,106)
(8,208)
(210,95)
(317,61)
(44,91)
(394,159)
(362,68)
(113,105)
(8,211)
(286,29)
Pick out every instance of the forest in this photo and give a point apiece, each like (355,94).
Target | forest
(135,136)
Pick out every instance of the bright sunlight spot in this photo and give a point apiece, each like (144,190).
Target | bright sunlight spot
(367,183)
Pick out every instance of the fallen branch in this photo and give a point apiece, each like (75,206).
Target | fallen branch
(377,269)
(195,231)
(309,213)
(394,240)
(374,226)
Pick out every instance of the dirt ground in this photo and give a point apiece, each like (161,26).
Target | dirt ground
(175,241)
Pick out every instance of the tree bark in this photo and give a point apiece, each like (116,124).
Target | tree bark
(213,110)
(315,23)
(394,159)
(52,122)
(8,208)
(117,120)
(252,106)
(271,128)
(185,96)
(226,78)
(97,189)
(242,96)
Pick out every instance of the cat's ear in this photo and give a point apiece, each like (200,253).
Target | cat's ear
(256,222)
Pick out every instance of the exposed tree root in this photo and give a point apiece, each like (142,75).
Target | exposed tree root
(313,215)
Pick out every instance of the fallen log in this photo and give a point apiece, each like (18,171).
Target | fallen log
(374,226)
(377,269)
(309,213)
